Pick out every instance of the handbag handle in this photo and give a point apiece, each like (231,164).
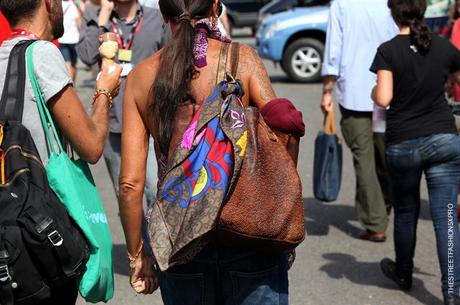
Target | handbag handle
(329,126)
(45,116)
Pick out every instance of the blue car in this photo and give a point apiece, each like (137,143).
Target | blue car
(295,39)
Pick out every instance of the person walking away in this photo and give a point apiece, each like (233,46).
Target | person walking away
(163,95)
(412,70)
(365,24)
(73,14)
(42,20)
(140,33)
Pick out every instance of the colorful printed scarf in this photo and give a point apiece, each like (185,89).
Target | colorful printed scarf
(198,177)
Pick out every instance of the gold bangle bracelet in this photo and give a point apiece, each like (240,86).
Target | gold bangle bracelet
(132,258)
(105,92)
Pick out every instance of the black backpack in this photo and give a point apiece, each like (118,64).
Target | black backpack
(41,247)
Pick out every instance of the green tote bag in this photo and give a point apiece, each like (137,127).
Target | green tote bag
(73,183)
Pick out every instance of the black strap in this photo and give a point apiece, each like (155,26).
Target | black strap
(12,102)
(45,225)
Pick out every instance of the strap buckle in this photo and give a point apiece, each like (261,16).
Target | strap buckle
(55,238)
(4,274)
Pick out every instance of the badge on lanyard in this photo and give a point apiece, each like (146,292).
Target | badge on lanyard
(127,67)
(125,55)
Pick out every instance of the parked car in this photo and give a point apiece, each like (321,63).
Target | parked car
(278,6)
(295,39)
(244,13)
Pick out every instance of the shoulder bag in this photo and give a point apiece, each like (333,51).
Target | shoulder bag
(73,183)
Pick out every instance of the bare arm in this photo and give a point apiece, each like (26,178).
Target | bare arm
(382,94)
(85,133)
(135,137)
(133,168)
(252,68)
(88,46)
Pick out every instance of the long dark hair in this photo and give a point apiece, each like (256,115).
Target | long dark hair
(411,13)
(172,84)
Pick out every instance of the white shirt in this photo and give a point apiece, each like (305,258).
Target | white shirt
(71,15)
(149,3)
(220,24)
(355,30)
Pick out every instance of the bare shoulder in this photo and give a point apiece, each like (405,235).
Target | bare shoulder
(252,69)
(139,84)
(250,64)
(145,71)
(248,55)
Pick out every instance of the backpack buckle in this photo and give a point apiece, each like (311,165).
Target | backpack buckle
(4,274)
(55,238)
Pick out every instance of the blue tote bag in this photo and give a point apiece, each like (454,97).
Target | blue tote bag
(327,167)
(73,184)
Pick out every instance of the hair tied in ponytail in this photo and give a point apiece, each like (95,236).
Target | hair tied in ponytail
(421,36)
(171,87)
(185,16)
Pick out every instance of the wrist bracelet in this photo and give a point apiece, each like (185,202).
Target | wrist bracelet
(100,92)
(328,90)
(132,259)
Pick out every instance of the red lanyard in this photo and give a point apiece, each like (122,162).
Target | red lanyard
(136,28)
(23,32)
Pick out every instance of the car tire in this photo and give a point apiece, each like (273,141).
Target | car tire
(302,60)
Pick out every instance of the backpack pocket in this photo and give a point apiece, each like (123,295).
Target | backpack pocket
(53,238)
(20,281)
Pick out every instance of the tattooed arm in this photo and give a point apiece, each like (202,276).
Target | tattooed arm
(251,70)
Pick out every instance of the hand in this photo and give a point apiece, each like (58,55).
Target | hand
(326,102)
(143,278)
(107,7)
(291,255)
(109,77)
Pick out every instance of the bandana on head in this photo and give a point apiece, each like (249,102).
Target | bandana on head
(205,29)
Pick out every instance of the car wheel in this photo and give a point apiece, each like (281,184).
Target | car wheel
(302,60)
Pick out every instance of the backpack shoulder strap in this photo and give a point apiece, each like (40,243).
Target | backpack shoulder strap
(12,101)
(235,59)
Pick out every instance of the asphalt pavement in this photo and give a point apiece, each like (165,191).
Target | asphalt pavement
(332,265)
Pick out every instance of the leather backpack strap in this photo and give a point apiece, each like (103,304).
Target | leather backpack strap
(222,66)
(12,101)
(235,58)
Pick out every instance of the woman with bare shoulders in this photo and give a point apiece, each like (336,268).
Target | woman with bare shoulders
(163,95)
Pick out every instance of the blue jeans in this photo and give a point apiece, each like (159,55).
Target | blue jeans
(227,276)
(438,156)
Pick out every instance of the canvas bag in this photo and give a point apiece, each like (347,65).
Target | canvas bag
(73,183)
(41,247)
(327,164)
